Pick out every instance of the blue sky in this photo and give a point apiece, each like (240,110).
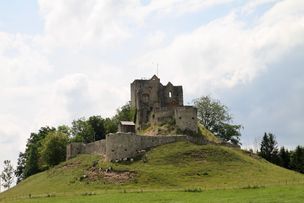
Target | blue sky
(17,16)
(62,60)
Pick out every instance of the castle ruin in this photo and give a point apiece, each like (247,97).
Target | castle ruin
(157,104)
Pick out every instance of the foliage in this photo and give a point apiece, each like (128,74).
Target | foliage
(293,159)
(41,147)
(82,131)
(31,163)
(284,158)
(110,125)
(297,159)
(269,149)
(229,132)
(65,129)
(7,175)
(33,160)
(98,126)
(19,172)
(54,148)
(215,117)
(92,129)
(125,113)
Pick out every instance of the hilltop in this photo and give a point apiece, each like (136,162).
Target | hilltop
(176,166)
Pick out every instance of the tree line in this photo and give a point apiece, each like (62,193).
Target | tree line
(290,159)
(47,147)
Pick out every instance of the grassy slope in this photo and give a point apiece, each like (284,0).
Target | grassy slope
(174,166)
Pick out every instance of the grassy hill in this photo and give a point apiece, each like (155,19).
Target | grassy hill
(172,167)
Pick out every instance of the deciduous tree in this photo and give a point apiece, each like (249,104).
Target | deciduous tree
(7,175)
(54,148)
(216,118)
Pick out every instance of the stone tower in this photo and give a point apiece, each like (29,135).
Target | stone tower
(156,104)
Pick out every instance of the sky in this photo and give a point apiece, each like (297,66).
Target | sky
(63,60)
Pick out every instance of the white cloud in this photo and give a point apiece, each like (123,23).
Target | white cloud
(226,52)
(156,39)
(20,58)
(91,50)
(252,5)
(77,24)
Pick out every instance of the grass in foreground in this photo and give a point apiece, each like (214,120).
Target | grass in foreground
(272,194)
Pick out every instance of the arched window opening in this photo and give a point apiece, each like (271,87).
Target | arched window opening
(170,94)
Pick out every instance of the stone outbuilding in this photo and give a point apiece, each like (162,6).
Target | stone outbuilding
(126,127)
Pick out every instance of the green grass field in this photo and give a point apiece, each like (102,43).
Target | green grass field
(162,175)
(275,194)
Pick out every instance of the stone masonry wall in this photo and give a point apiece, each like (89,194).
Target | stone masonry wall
(127,145)
(98,147)
(118,146)
(186,118)
(73,149)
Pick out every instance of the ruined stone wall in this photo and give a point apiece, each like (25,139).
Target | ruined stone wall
(171,95)
(121,145)
(118,146)
(74,149)
(162,115)
(127,145)
(98,147)
(186,118)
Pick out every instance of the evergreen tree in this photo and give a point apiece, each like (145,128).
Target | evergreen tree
(269,149)
(31,163)
(19,172)
(284,158)
(297,159)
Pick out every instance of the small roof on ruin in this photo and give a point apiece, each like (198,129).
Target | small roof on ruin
(127,123)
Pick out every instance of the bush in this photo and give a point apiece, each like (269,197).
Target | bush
(198,189)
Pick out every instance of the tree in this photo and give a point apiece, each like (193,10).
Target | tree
(82,131)
(54,148)
(110,125)
(216,118)
(269,149)
(284,158)
(64,129)
(19,172)
(125,113)
(97,124)
(297,159)
(33,160)
(229,133)
(31,163)
(7,175)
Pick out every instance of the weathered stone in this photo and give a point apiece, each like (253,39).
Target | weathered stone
(157,104)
